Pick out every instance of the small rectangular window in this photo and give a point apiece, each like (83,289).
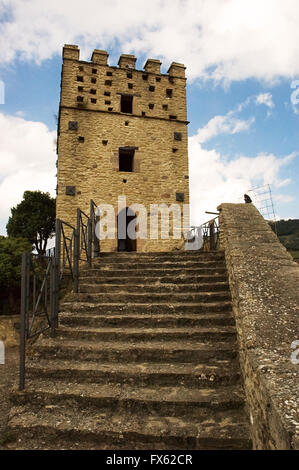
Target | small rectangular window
(93,91)
(172,116)
(73,125)
(93,80)
(81,68)
(177,136)
(80,88)
(165,107)
(169,93)
(79,78)
(109,74)
(93,100)
(80,99)
(94,71)
(126,159)
(151,88)
(108,82)
(158,79)
(130,85)
(107,102)
(151,106)
(126,104)
(81,138)
(144,76)
(107,93)
(129,75)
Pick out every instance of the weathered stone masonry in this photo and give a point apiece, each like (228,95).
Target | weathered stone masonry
(92,128)
(264,282)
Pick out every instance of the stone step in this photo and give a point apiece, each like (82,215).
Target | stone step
(150,264)
(180,279)
(147,308)
(154,272)
(148,297)
(172,255)
(145,374)
(218,333)
(166,401)
(84,319)
(64,427)
(120,288)
(120,352)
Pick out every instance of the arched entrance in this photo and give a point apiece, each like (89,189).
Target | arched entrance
(124,242)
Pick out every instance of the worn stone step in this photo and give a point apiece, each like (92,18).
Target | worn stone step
(148,297)
(86,287)
(145,374)
(84,319)
(62,427)
(180,279)
(150,264)
(147,308)
(153,351)
(166,401)
(218,333)
(169,255)
(154,272)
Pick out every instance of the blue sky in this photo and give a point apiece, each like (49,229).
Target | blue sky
(241,58)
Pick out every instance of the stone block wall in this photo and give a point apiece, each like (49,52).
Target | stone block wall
(91,131)
(264,282)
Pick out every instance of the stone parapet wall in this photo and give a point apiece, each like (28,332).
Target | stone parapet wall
(264,282)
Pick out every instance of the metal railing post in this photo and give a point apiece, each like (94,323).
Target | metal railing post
(212,235)
(90,235)
(24,319)
(77,252)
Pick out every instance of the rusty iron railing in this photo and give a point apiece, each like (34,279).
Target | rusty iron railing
(42,277)
(205,237)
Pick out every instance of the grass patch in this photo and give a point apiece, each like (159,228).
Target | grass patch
(6,437)
(295,254)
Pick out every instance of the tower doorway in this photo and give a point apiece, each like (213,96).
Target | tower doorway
(124,242)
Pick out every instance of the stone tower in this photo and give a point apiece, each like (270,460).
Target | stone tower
(122,132)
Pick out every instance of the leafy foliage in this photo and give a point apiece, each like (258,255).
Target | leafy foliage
(33,219)
(288,233)
(11,250)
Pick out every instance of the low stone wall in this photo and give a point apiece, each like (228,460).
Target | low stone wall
(264,282)
(8,333)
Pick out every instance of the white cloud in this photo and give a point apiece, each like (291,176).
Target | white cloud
(27,161)
(214,179)
(266,99)
(224,40)
(227,124)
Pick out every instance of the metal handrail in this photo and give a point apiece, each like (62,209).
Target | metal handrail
(40,288)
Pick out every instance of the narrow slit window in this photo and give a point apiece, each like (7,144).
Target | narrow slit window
(126,104)
(169,93)
(126,160)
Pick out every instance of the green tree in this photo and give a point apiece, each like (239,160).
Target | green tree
(33,219)
(11,250)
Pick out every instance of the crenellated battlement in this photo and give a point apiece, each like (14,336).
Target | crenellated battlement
(126,61)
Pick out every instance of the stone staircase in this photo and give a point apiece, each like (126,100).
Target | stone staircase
(145,358)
